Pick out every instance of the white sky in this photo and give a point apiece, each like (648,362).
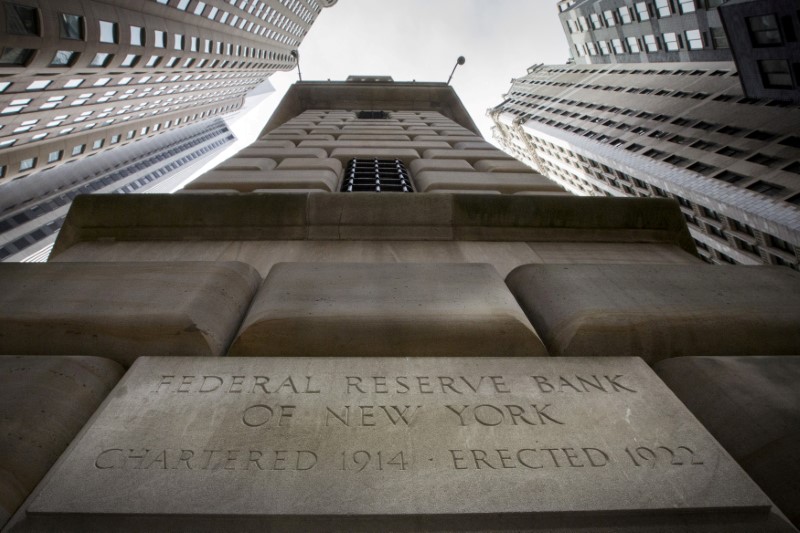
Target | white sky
(421,39)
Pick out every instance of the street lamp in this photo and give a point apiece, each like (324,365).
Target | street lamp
(460,61)
(296,55)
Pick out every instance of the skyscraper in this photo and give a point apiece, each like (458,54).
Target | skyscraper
(673,130)
(630,31)
(347,327)
(81,78)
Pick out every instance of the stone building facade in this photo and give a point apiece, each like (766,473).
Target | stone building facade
(83,77)
(675,130)
(371,319)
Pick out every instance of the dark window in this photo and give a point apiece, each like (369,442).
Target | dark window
(764,30)
(702,168)
(15,56)
(655,154)
(775,73)
(763,159)
(676,160)
(728,176)
(765,187)
(71,26)
(730,130)
(376,175)
(760,135)
(793,167)
(22,20)
(372,114)
(792,141)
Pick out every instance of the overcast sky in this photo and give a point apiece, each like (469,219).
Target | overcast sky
(421,39)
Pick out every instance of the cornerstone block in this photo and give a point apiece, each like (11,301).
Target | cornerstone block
(191,443)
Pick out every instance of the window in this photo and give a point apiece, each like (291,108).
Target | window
(619,48)
(775,73)
(764,31)
(194,44)
(671,42)
(52,157)
(663,8)
(101,82)
(38,85)
(625,15)
(651,43)
(27,164)
(109,32)
(183,4)
(22,20)
(597,23)
(137,36)
(767,188)
(611,20)
(604,48)
(130,60)
(718,38)
(730,152)
(64,58)
(178,41)
(687,6)
(114,139)
(97,144)
(160,40)
(198,9)
(642,12)
(153,61)
(694,40)
(101,59)
(633,44)
(78,150)
(70,26)
(376,175)
(15,56)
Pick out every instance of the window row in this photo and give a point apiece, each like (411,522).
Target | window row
(640,12)
(671,42)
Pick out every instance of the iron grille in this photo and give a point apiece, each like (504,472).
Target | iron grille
(376,175)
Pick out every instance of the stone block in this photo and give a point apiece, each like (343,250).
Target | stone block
(468,155)
(44,402)
(506,183)
(279,154)
(123,310)
(345,154)
(661,311)
(379,216)
(400,444)
(751,405)
(267,143)
(412,309)
(488,165)
(334,165)
(474,145)
(323,178)
(418,165)
(375,143)
(247,164)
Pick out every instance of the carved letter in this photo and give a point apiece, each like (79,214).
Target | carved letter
(311,462)
(380,385)
(309,390)
(475,388)
(499,385)
(597,385)
(458,459)
(279,459)
(522,461)
(287,382)
(571,456)
(401,415)
(213,386)
(184,457)
(518,412)
(617,386)
(460,418)
(236,381)
(344,419)
(367,414)
(186,383)
(261,381)
(542,415)
(544,385)
(480,457)
(255,457)
(485,421)
(286,412)
(355,382)
(165,380)
(103,465)
(401,380)
(592,460)
(257,415)
(447,382)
